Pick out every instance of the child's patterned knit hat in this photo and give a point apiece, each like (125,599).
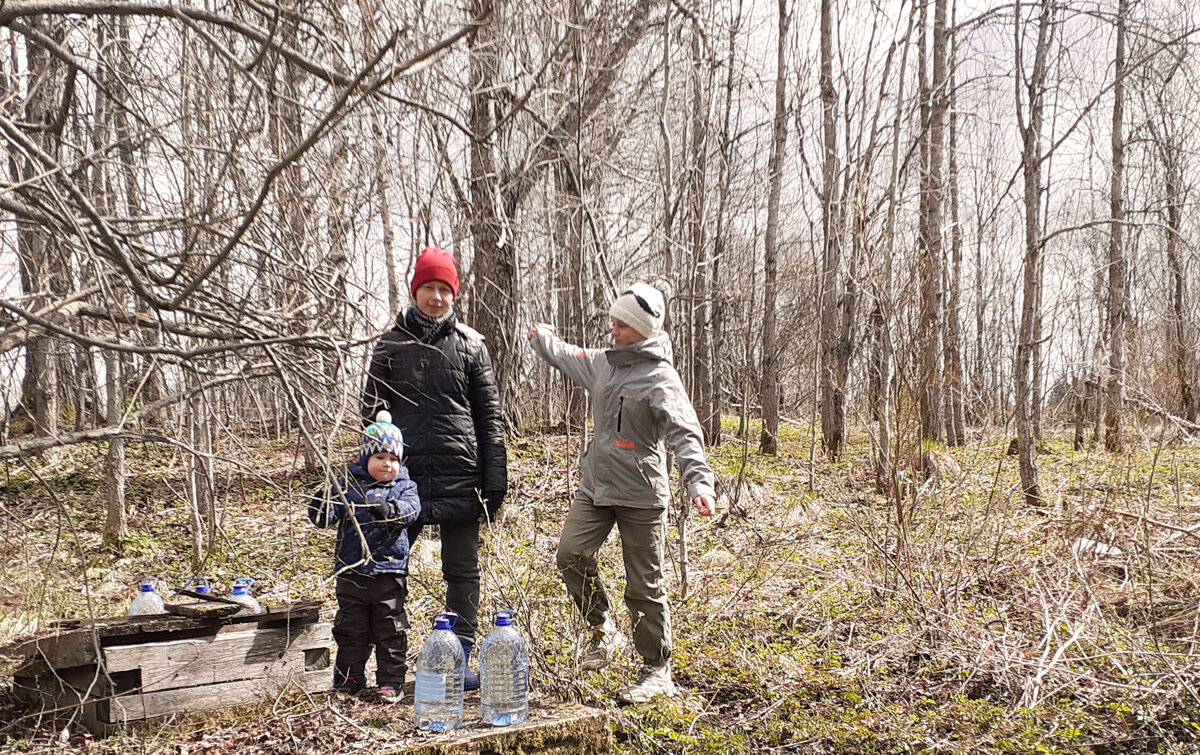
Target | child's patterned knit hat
(381,436)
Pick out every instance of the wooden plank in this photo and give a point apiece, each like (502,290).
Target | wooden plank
(248,654)
(564,728)
(211,697)
(78,641)
(203,610)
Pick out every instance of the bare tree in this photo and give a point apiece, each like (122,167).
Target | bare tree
(1030,93)
(768,441)
(1117,272)
(931,259)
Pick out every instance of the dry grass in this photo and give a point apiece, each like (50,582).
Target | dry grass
(814,621)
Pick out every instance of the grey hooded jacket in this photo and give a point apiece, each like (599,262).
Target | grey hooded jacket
(638,402)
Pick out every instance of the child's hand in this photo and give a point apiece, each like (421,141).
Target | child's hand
(705,505)
(533,331)
(377,502)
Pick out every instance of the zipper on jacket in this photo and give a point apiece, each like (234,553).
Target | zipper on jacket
(620,407)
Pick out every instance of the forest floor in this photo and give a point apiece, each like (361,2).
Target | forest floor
(811,615)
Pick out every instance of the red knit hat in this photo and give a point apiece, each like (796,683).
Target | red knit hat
(435,265)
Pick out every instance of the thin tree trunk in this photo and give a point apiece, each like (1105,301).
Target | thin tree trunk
(713,430)
(1182,350)
(116,526)
(1031,158)
(768,441)
(832,396)
(1115,384)
(40,269)
(955,415)
(704,366)
(931,258)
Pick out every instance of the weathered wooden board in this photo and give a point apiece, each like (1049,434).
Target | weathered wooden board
(78,642)
(203,610)
(563,728)
(248,654)
(138,707)
(121,669)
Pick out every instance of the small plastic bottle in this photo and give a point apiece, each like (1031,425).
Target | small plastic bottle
(241,594)
(148,602)
(504,673)
(438,704)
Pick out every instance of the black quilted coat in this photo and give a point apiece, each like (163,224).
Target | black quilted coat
(441,392)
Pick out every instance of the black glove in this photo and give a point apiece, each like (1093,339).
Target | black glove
(492,502)
(377,503)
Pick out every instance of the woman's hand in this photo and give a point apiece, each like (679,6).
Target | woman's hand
(705,505)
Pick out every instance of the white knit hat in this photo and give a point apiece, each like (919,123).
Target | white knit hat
(641,307)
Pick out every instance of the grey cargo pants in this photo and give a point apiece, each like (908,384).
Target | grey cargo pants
(643,534)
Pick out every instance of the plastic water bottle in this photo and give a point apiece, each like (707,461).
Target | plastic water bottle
(241,594)
(147,602)
(200,585)
(438,704)
(504,673)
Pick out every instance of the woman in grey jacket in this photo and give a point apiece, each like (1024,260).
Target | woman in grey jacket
(639,407)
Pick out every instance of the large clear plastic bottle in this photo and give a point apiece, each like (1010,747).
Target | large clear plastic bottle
(148,602)
(241,594)
(504,673)
(438,704)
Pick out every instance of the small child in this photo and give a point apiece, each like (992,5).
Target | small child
(372,507)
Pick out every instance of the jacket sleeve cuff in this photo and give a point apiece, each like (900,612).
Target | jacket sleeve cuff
(700,488)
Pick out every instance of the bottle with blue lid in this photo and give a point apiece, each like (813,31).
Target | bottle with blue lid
(241,594)
(504,673)
(438,702)
(148,602)
(199,585)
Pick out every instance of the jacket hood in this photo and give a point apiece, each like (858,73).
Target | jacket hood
(655,348)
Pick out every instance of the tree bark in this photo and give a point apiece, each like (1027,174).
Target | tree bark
(1031,159)
(1117,293)
(1182,350)
(955,415)
(768,441)
(116,525)
(931,255)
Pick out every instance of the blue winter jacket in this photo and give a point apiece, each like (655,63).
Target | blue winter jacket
(351,504)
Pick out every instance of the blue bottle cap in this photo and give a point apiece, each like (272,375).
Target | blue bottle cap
(445,620)
(241,585)
(146,584)
(505,618)
(200,585)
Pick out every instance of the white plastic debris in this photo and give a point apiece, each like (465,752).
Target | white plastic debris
(1085,545)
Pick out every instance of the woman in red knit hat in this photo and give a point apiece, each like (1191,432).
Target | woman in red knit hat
(434,375)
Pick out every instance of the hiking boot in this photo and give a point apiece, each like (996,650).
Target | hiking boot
(390,694)
(605,645)
(651,682)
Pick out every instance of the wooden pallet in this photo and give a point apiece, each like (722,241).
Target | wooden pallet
(117,670)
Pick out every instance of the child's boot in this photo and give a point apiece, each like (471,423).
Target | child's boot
(349,681)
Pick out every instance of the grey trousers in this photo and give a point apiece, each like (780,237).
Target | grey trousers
(643,534)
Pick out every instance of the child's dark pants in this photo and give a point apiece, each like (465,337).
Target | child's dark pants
(371,613)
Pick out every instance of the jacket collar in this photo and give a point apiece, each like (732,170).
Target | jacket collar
(654,349)
(424,328)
